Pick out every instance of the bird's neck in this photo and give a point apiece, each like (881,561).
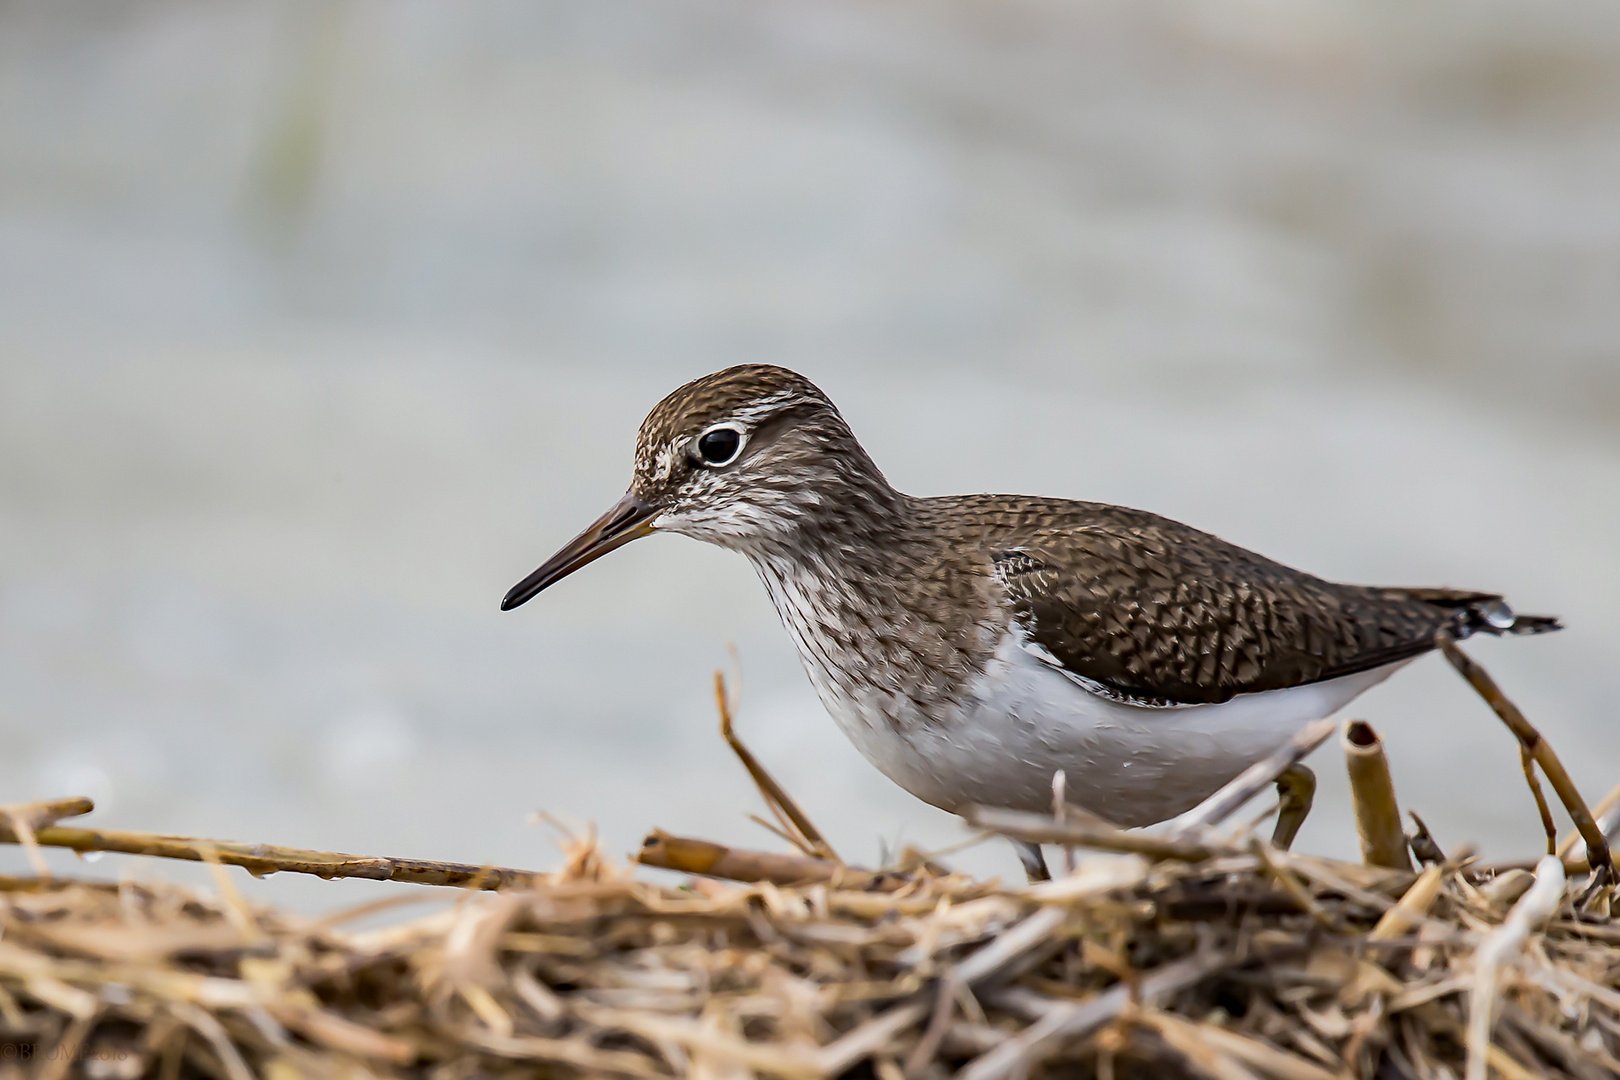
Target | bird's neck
(849,528)
(882,612)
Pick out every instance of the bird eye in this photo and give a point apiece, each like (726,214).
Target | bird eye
(719,446)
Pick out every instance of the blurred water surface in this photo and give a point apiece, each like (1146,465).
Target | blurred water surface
(323,323)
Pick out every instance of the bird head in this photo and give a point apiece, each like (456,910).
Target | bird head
(743,458)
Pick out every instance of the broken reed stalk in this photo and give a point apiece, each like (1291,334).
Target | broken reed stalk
(256,859)
(794,820)
(1296,791)
(1372,794)
(18,820)
(48,812)
(24,818)
(1597,845)
(690,856)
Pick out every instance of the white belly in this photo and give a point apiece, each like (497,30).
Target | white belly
(1025,719)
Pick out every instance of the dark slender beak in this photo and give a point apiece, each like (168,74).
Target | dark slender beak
(629,518)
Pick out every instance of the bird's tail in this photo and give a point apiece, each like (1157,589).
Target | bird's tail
(1483,613)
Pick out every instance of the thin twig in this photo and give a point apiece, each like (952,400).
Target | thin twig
(1597,846)
(1602,813)
(774,794)
(1039,829)
(1528,764)
(262,859)
(780,831)
(1219,806)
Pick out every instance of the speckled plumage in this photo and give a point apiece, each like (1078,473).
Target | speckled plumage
(1158,611)
(971,645)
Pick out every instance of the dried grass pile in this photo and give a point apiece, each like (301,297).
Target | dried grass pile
(1264,964)
(1201,951)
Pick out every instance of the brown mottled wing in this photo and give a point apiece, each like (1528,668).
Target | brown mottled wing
(1155,611)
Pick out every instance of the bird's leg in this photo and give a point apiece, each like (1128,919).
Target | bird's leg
(1034,862)
(1296,787)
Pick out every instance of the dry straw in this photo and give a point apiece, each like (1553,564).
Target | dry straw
(1202,951)
(1378,815)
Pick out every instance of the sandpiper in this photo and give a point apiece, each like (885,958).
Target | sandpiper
(972,646)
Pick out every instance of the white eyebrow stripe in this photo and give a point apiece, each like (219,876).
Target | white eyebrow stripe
(760,409)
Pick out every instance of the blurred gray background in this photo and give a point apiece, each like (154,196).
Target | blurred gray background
(323,323)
